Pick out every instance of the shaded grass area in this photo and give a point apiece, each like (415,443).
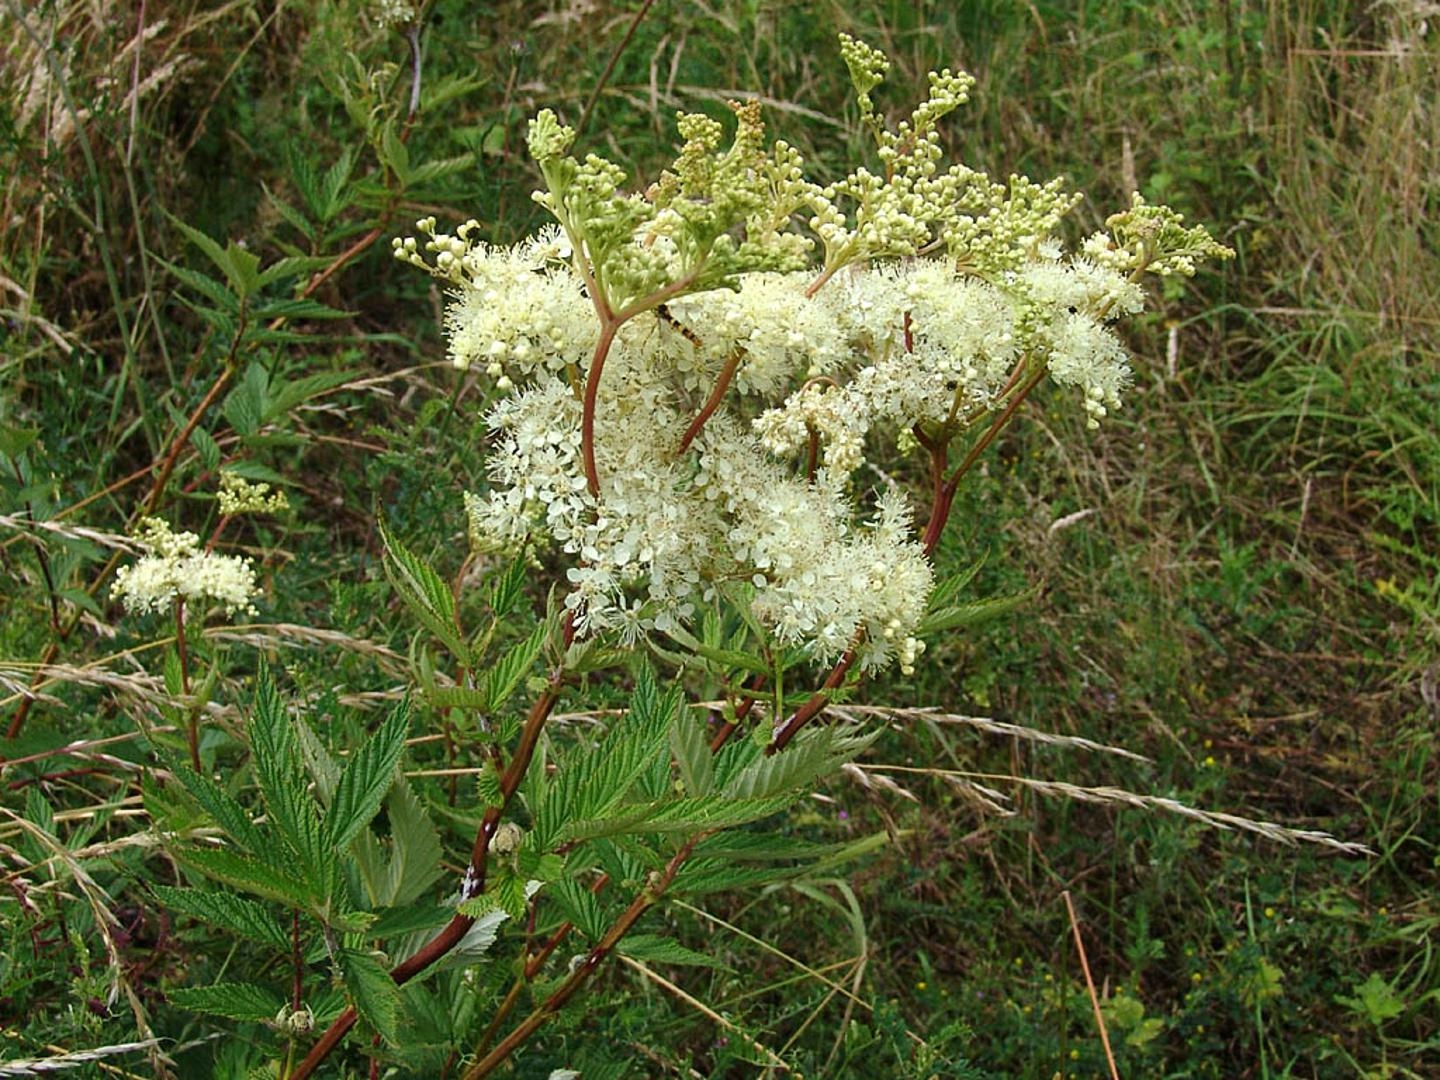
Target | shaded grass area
(1237,578)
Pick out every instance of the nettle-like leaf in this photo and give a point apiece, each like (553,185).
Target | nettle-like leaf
(954,616)
(397,872)
(250,874)
(424,593)
(501,680)
(234,1001)
(591,783)
(663,950)
(280,771)
(228,911)
(503,591)
(222,807)
(506,893)
(580,906)
(683,816)
(366,778)
(286,394)
(246,405)
(692,754)
(817,752)
(374,992)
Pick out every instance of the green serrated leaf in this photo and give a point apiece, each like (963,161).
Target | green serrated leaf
(333,196)
(293,266)
(220,805)
(506,589)
(242,269)
(246,404)
(280,770)
(510,893)
(249,874)
(721,657)
(373,991)
(206,446)
(692,754)
(458,697)
(487,785)
(699,876)
(477,907)
(282,308)
(501,680)
(591,783)
(225,301)
(234,1001)
(415,845)
(947,589)
(366,778)
(213,251)
(227,911)
(291,215)
(662,950)
(320,766)
(817,752)
(14,441)
(424,593)
(395,155)
(397,870)
(679,816)
(580,906)
(978,611)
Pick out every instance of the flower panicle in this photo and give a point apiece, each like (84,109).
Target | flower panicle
(751,378)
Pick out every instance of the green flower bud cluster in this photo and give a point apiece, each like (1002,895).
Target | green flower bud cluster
(1154,239)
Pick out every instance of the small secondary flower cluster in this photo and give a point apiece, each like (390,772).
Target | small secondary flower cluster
(240,496)
(728,385)
(177,567)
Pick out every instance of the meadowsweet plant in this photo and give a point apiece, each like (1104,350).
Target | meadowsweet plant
(690,383)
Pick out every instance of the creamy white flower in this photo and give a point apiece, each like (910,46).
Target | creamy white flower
(176,567)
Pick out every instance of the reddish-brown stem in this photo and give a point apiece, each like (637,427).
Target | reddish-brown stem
(792,724)
(608,328)
(742,710)
(647,897)
(812,452)
(168,466)
(722,384)
(610,323)
(1006,415)
(180,649)
(610,66)
(945,493)
(819,282)
(338,263)
(297,967)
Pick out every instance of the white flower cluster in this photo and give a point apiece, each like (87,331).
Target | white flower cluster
(176,567)
(393,12)
(875,351)
(518,311)
(714,454)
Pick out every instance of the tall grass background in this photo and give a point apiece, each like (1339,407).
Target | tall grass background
(1238,579)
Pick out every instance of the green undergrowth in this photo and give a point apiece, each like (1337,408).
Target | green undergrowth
(1235,579)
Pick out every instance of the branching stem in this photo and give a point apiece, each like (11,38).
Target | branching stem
(645,899)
